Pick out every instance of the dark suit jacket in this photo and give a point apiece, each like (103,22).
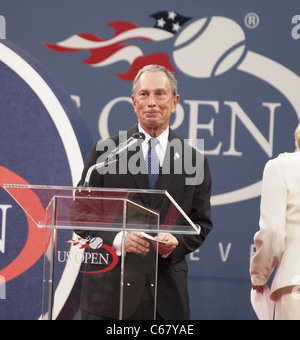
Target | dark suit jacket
(100,294)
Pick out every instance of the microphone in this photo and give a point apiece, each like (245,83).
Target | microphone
(115,155)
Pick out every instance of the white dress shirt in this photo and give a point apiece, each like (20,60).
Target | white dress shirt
(161,146)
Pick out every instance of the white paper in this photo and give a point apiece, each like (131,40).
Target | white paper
(262,304)
(152,238)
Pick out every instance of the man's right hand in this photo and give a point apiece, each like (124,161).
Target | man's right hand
(136,243)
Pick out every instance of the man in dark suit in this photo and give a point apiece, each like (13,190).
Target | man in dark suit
(154,99)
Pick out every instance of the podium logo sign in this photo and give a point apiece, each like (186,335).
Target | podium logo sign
(103,254)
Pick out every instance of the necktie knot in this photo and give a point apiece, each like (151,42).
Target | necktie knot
(153,142)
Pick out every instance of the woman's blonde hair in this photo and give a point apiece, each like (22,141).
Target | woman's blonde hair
(297,136)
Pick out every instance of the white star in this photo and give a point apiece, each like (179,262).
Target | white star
(171,15)
(176,27)
(160,22)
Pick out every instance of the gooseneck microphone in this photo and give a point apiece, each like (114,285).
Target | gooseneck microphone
(114,155)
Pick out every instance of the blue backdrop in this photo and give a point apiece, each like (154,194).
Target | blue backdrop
(237,63)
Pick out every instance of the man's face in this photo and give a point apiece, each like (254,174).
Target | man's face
(154,102)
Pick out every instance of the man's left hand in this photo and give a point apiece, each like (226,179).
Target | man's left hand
(165,249)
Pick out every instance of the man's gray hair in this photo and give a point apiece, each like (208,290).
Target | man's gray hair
(156,68)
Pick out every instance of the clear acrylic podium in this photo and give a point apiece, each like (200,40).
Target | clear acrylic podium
(80,225)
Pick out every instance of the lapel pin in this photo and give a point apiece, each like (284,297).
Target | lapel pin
(177,156)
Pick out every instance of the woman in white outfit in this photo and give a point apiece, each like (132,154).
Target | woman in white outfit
(278,240)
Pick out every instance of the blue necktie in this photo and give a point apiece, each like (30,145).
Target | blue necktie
(153,163)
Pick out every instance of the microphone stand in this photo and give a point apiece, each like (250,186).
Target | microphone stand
(115,153)
(96,167)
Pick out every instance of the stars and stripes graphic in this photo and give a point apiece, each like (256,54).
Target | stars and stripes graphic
(123,46)
(169,21)
(83,243)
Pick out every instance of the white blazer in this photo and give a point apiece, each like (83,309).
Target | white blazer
(278,241)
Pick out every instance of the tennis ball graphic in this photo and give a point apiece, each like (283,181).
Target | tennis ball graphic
(95,243)
(207,48)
